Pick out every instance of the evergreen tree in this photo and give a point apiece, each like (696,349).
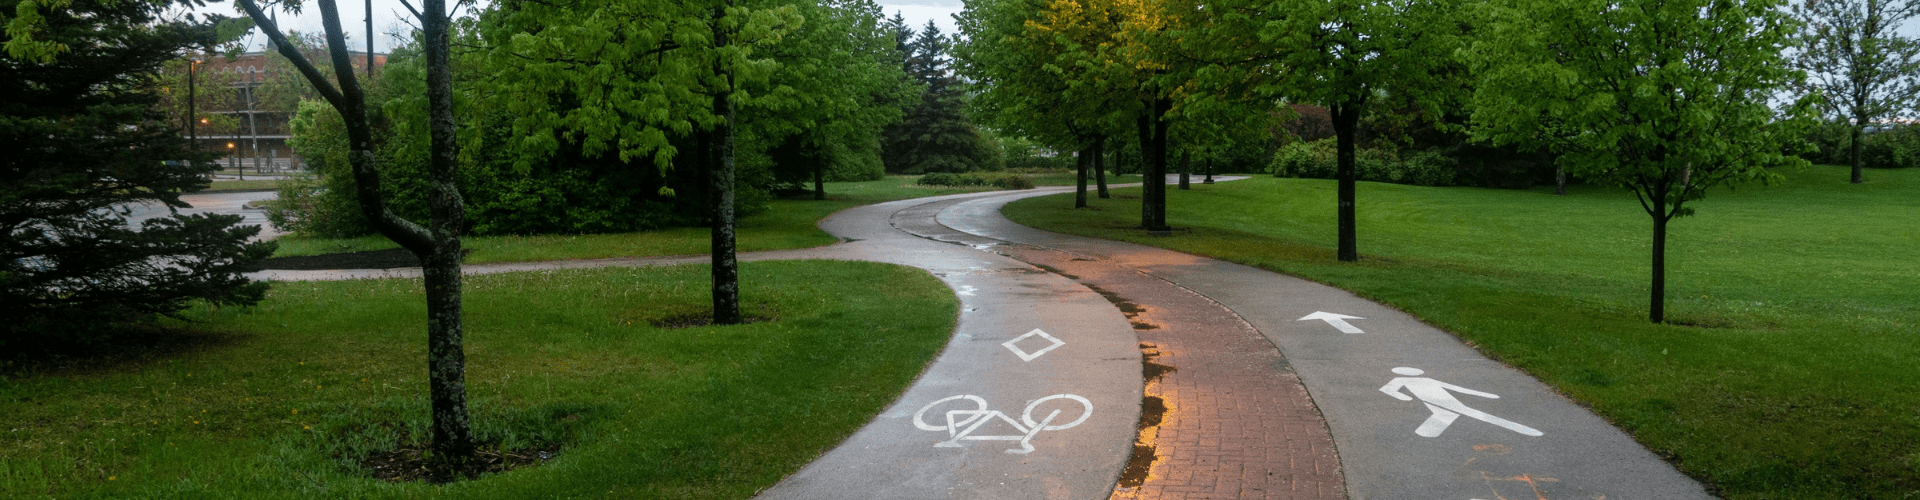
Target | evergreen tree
(86,139)
(935,136)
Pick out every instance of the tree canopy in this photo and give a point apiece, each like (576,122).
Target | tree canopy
(1856,59)
(1666,98)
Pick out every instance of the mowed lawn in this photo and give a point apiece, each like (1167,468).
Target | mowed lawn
(791,223)
(1791,364)
(285,399)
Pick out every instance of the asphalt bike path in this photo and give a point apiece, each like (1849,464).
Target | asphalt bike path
(1035,396)
(1039,393)
(1414,412)
(1221,415)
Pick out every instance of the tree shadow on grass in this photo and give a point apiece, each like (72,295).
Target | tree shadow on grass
(119,349)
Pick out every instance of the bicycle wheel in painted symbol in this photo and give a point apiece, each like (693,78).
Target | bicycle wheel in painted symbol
(962,421)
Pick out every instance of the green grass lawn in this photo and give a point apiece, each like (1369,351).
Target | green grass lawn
(792,223)
(1791,366)
(249,185)
(282,399)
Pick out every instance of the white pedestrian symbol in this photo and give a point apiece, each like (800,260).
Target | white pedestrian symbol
(1445,407)
(961,424)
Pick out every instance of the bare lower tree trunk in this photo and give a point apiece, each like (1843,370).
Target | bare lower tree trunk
(437,245)
(1853,152)
(819,181)
(1100,165)
(1346,117)
(446,353)
(1153,166)
(1082,160)
(726,271)
(1559,179)
(1186,164)
(1657,309)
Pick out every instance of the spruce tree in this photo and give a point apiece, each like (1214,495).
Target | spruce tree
(934,136)
(86,141)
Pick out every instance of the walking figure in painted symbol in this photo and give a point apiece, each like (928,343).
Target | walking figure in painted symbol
(1445,407)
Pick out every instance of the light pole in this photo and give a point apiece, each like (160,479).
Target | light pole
(193,121)
(1209,170)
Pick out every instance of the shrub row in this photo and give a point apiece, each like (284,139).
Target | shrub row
(1897,146)
(1318,160)
(1002,181)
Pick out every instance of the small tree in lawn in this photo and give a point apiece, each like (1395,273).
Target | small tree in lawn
(1855,57)
(1341,54)
(1666,98)
(436,244)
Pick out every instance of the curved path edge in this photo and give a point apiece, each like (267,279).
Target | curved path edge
(1461,426)
(1036,394)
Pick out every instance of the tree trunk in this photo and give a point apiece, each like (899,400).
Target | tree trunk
(446,355)
(819,181)
(1080,188)
(726,272)
(438,245)
(1345,118)
(1144,128)
(1559,179)
(1853,153)
(1186,164)
(1657,309)
(1153,166)
(1100,165)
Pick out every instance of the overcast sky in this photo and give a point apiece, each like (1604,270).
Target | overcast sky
(388,13)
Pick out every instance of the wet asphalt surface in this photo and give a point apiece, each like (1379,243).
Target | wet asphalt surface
(1039,392)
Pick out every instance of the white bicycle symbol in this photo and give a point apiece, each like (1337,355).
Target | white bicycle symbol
(972,419)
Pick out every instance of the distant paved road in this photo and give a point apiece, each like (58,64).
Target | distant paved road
(231,203)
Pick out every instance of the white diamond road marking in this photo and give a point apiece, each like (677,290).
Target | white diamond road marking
(1024,356)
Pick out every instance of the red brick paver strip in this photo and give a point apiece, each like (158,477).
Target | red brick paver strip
(1237,422)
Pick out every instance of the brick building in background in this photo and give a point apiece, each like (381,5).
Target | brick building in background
(244,105)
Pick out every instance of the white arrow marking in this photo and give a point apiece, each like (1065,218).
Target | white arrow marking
(1337,320)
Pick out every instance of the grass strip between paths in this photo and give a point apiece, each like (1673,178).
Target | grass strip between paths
(792,223)
(281,400)
(1789,366)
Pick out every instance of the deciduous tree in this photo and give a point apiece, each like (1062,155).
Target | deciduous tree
(1666,98)
(1342,54)
(1025,83)
(436,244)
(1856,58)
(627,77)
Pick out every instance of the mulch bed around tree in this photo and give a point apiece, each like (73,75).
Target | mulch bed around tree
(372,259)
(412,463)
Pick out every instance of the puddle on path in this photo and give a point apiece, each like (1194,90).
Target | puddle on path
(1153,411)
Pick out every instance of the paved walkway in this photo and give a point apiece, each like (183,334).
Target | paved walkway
(1223,414)
(1233,366)
(233,203)
(1392,388)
